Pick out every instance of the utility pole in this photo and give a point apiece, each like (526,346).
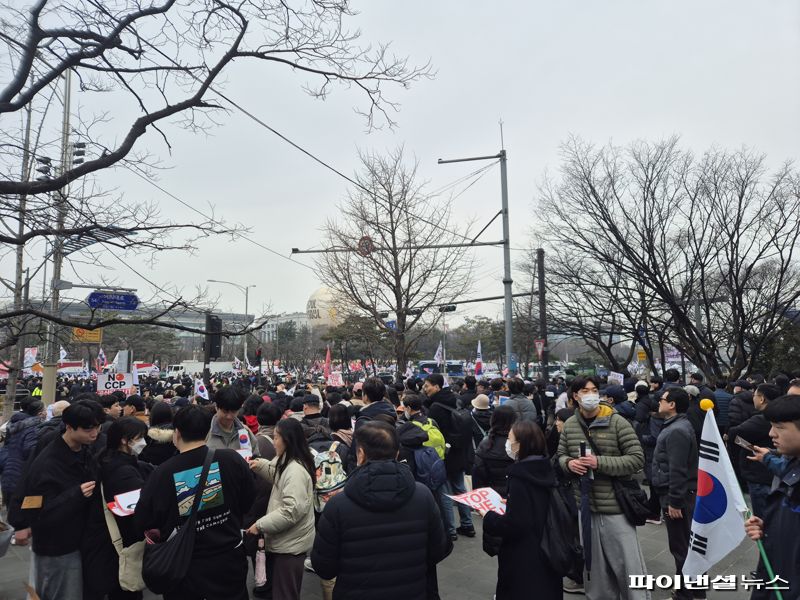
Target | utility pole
(507,281)
(542,311)
(51,367)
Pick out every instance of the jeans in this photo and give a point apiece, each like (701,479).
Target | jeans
(58,577)
(758,497)
(453,486)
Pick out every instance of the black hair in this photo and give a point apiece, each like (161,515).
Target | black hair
(564,414)
(251,405)
(339,418)
(333,398)
(160,414)
(722,383)
(769,391)
(128,428)
(296,404)
(374,389)
(193,422)
(295,447)
(229,398)
(530,438)
(680,397)
(413,401)
(783,409)
(109,400)
(503,418)
(435,379)
(85,414)
(34,408)
(392,395)
(268,414)
(378,440)
(496,384)
(470,382)
(672,375)
(697,376)
(515,385)
(580,382)
(136,401)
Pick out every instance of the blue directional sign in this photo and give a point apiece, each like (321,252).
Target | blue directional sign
(113,300)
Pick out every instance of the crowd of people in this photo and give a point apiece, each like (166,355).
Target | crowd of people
(355,483)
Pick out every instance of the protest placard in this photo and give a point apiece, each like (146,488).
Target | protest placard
(482,499)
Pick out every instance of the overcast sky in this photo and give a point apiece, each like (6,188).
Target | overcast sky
(717,73)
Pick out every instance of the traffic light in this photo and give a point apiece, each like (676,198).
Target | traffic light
(447,308)
(213,336)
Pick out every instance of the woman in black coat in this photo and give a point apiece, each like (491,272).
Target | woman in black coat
(120,471)
(159,437)
(491,460)
(521,565)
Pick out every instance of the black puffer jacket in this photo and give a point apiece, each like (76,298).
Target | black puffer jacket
(756,431)
(492,464)
(382,537)
(741,408)
(159,447)
(457,459)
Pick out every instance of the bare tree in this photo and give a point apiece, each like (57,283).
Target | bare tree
(709,243)
(388,252)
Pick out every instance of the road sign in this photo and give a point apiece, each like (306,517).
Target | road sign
(539,344)
(111,382)
(113,301)
(87,336)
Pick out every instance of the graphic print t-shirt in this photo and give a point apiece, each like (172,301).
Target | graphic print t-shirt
(168,496)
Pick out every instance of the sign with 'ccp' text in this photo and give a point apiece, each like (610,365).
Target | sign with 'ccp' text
(482,499)
(111,382)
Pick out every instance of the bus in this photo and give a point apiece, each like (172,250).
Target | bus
(455,368)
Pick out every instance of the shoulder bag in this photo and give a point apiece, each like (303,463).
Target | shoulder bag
(630,496)
(130,558)
(165,564)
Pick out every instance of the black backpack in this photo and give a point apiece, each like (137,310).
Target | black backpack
(561,543)
(461,420)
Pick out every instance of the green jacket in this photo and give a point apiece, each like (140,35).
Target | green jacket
(621,454)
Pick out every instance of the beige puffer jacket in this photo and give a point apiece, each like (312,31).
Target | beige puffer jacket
(288,526)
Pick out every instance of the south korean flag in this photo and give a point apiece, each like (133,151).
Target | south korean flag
(718,521)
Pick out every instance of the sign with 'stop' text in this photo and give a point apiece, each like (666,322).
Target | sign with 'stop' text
(111,382)
(482,499)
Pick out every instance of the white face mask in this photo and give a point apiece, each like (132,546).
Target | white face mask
(510,451)
(138,446)
(590,401)
(408,415)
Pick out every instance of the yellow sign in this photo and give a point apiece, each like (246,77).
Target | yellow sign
(641,355)
(87,336)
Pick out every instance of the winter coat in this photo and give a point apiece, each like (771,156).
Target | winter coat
(674,472)
(288,525)
(159,447)
(48,430)
(756,431)
(218,439)
(411,438)
(648,425)
(119,473)
(524,407)
(382,537)
(521,565)
(56,475)
(492,464)
(741,408)
(20,444)
(456,459)
(620,455)
(465,398)
(722,400)
(369,411)
(781,531)
(482,424)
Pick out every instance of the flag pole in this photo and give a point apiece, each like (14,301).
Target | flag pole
(765,560)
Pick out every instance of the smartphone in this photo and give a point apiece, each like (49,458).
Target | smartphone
(744,444)
(583,449)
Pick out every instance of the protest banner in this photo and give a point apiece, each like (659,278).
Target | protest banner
(111,382)
(482,499)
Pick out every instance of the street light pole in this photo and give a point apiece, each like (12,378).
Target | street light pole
(246,290)
(507,281)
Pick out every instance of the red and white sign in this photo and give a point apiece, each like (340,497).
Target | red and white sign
(111,382)
(482,499)
(539,344)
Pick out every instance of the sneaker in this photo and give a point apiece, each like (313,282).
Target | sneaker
(654,520)
(572,587)
(308,566)
(466,531)
(454,537)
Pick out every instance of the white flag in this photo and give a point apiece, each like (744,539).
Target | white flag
(718,521)
(62,354)
(439,354)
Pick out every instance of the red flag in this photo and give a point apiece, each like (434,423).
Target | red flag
(327,370)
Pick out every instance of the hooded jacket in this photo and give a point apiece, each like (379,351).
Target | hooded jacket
(621,454)
(524,407)
(159,447)
(521,563)
(382,537)
(457,459)
(741,408)
(492,464)
(19,445)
